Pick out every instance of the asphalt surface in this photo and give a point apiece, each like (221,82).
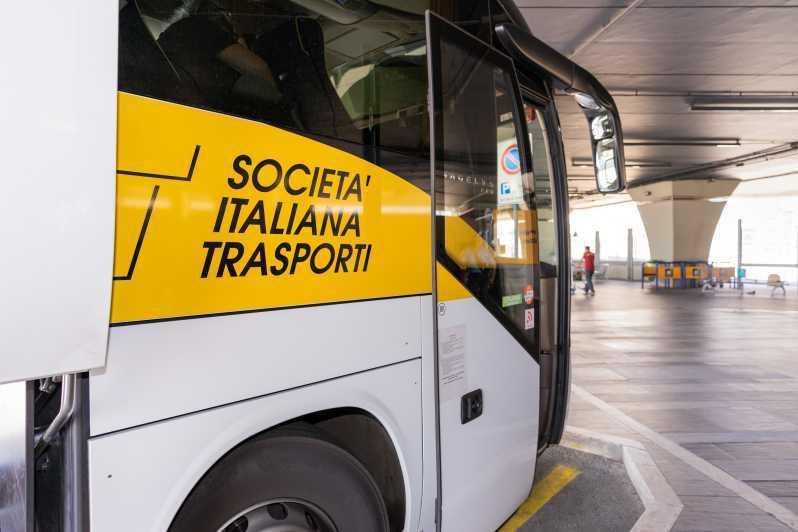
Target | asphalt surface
(600,498)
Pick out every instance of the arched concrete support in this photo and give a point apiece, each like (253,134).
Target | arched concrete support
(680,216)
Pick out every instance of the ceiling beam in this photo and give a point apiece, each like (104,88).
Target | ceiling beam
(770,154)
(610,23)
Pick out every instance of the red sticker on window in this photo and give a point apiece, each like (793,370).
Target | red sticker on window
(529,294)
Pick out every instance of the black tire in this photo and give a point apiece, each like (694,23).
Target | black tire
(294,465)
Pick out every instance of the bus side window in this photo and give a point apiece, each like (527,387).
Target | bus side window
(296,55)
(352,77)
(143,68)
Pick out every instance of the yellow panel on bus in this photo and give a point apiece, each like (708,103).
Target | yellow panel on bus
(449,287)
(217,214)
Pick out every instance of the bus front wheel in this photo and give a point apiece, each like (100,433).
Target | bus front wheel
(292,479)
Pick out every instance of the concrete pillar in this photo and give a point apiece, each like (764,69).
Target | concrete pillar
(630,254)
(597,250)
(680,216)
(739,245)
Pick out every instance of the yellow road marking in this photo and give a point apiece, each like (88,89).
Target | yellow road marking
(541,493)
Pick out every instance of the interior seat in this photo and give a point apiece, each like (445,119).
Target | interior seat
(294,51)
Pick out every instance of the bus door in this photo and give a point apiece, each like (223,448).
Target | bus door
(486,287)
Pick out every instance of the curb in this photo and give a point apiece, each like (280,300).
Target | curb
(662,505)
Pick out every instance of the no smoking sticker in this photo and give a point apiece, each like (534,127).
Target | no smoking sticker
(529,319)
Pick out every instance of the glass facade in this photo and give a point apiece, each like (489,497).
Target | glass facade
(612,222)
(768,210)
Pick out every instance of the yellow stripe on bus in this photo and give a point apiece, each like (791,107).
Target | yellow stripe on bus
(219,214)
(449,288)
(542,493)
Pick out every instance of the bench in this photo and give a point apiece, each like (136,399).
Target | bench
(773,282)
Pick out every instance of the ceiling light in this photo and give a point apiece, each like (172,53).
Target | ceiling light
(714,142)
(648,164)
(587,163)
(736,103)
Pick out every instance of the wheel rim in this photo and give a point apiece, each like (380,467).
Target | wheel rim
(281,515)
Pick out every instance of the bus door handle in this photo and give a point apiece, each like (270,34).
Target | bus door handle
(471,406)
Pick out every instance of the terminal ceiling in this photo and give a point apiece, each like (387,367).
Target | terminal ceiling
(663,58)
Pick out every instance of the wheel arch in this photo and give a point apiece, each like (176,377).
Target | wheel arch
(141,476)
(365,436)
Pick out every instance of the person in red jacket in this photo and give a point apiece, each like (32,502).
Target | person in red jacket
(589,264)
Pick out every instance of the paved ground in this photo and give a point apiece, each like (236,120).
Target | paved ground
(597,496)
(717,375)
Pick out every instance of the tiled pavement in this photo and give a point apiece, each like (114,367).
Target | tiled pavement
(714,373)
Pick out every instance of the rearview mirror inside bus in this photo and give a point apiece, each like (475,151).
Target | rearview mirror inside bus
(606,143)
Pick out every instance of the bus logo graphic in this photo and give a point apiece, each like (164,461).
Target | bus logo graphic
(511,159)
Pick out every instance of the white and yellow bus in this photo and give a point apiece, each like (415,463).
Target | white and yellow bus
(284,264)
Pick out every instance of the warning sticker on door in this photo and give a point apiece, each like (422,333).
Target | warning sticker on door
(529,319)
(529,294)
(452,362)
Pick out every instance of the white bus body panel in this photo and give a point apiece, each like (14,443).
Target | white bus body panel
(58,132)
(160,370)
(140,477)
(496,452)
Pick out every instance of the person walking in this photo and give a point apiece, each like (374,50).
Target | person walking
(589,265)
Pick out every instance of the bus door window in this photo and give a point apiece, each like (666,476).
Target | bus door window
(543,186)
(487,221)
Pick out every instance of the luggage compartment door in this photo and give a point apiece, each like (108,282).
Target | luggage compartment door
(58,132)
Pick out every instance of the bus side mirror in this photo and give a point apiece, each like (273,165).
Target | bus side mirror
(606,140)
